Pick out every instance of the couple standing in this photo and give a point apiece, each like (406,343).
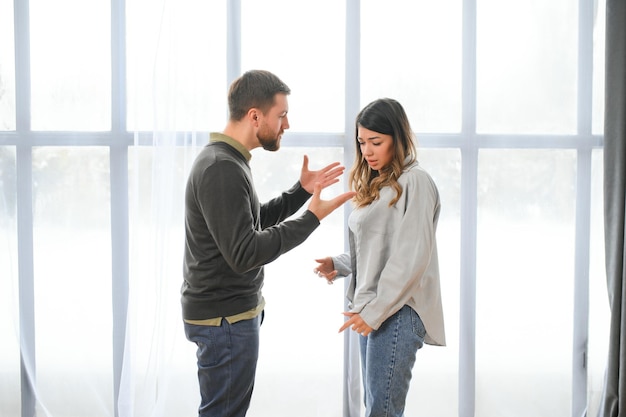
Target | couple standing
(394,292)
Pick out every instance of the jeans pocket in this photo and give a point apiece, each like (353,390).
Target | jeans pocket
(418,325)
(205,339)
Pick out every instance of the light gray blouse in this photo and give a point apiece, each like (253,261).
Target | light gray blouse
(393,255)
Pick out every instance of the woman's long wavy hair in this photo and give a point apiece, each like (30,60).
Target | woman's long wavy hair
(386,116)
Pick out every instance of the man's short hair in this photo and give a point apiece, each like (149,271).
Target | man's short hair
(254,89)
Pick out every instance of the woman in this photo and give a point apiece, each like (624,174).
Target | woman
(394,293)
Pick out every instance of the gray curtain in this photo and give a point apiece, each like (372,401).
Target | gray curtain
(614,395)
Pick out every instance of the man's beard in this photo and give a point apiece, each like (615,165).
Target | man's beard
(268,140)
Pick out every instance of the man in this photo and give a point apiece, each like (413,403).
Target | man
(230,236)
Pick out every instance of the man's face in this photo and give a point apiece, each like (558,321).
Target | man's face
(273,124)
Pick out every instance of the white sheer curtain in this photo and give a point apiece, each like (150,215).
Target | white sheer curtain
(159,370)
(158,377)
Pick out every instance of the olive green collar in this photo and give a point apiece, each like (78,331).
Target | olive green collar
(220,137)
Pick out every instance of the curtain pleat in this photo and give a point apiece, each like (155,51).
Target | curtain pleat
(614,395)
(159,372)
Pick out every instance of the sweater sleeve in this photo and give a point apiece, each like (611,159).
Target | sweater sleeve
(283,206)
(230,208)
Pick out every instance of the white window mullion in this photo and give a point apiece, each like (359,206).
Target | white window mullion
(118,176)
(469,187)
(583,209)
(581,283)
(352,397)
(24,188)
(233,40)
(26,278)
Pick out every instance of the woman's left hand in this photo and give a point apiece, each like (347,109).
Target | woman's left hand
(358,324)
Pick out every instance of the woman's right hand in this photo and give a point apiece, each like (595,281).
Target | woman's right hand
(326,269)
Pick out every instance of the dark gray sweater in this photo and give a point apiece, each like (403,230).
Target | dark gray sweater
(229,235)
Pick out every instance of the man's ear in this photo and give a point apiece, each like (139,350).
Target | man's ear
(253,114)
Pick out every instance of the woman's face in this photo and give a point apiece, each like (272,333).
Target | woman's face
(377,148)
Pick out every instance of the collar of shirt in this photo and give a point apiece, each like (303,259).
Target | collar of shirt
(220,137)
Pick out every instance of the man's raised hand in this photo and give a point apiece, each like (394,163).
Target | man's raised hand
(326,176)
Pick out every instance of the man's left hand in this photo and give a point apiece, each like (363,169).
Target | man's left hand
(326,176)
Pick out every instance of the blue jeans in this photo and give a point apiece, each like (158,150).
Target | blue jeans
(387,359)
(227,357)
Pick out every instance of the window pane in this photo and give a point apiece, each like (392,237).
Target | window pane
(157,176)
(9,304)
(526,66)
(435,374)
(411,51)
(71,65)
(176,65)
(304,46)
(300,345)
(7,67)
(72,252)
(525,282)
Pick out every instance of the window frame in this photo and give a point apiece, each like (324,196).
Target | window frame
(467,141)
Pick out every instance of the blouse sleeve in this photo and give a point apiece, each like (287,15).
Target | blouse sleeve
(342,265)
